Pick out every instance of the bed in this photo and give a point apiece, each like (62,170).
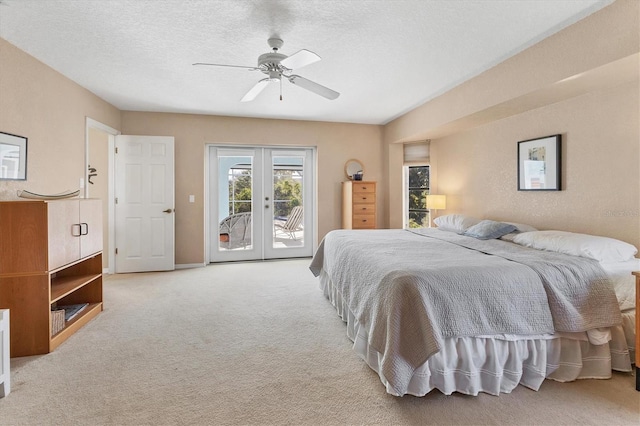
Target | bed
(449,310)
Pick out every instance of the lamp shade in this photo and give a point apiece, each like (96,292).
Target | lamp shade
(436,202)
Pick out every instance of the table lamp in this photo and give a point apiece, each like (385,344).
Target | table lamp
(435,202)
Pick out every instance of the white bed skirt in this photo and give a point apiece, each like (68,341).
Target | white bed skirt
(498,363)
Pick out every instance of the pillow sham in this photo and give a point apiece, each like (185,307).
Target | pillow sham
(455,222)
(510,236)
(521,227)
(602,249)
(489,229)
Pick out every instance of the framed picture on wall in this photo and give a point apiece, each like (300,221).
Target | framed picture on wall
(13,157)
(539,164)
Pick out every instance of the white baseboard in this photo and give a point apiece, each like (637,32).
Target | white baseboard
(190,265)
(105,271)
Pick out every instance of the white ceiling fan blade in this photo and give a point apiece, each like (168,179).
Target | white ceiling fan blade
(313,87)
(300,59)
(255,90)
(223,65)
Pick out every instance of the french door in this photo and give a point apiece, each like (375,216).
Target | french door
(261,203)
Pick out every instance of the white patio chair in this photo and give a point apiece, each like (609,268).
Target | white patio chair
(292,224)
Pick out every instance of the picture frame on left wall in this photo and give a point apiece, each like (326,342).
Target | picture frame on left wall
(13,157)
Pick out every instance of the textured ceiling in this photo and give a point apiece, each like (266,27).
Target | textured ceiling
(385,57)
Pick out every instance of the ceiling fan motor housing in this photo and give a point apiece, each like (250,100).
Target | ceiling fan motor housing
(269,63)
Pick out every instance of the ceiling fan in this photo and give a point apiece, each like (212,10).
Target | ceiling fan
(278,66)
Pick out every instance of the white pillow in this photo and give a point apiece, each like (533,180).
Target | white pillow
(602,249)
(520,227)
(455,222)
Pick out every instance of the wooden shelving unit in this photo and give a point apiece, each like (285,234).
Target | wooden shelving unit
(50,255)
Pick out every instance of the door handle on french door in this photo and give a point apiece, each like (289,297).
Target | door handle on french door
(167,211)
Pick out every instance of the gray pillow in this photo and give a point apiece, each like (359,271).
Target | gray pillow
(489,229)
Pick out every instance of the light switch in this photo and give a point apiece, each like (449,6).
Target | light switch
(192,198)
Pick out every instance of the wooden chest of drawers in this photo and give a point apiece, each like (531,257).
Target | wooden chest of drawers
(358,205)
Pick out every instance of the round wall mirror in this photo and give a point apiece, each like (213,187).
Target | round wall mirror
(353,167)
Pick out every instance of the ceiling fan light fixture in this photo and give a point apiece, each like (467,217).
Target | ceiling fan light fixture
(274,76)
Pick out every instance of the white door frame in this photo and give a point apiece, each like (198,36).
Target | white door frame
(207,190)
(90,123)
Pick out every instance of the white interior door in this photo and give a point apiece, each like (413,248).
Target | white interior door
(261,203)
(144,210)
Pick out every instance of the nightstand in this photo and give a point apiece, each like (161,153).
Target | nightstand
(637,274)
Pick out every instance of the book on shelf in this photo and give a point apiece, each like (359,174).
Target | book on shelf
(70,311)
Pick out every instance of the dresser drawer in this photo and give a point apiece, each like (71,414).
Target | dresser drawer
(364,221)
(364,198)
(360,209)
(366,188)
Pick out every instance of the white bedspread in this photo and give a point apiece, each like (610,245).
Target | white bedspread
(412,291)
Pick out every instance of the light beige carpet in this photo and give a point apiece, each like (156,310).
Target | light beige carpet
(255,343)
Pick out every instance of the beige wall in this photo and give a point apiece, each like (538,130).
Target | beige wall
(335,142)
(601,178)
(49,109)
(475,128)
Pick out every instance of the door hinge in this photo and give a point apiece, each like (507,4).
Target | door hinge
(116,200)
(116,149)
(116,251)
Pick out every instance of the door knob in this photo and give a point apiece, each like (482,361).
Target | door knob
(167,211)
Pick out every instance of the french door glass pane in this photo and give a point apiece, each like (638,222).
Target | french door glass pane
(288,184)
(235,203)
